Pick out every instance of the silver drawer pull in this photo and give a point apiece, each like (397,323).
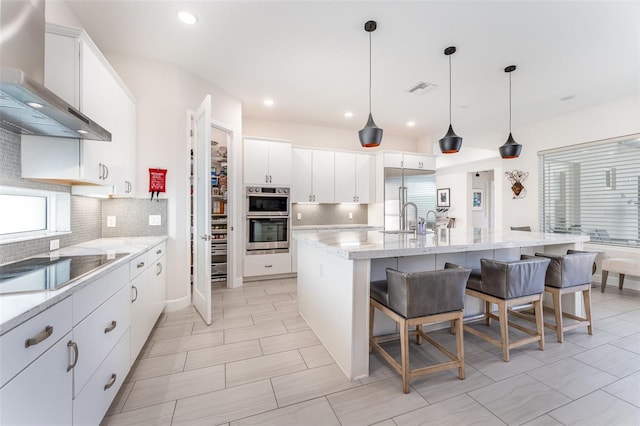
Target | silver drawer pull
(76,352)
(140,265)
(159,268)
(159,251)
(133,287)
(268,266)
(48,331)
(111,381)
(111,327)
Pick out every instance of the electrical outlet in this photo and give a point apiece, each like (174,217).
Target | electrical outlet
(299,216)
(54,244)
(111,221)
(350,215)
(155,220)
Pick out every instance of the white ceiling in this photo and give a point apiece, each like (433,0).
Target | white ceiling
(311,57)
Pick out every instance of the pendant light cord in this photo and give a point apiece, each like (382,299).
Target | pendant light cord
(449,89)
(509,102)
(369,72)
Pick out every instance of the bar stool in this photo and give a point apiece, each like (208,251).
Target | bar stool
(414,299)
(570,273)
(508,284)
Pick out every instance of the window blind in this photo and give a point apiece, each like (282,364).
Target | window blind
(593,189)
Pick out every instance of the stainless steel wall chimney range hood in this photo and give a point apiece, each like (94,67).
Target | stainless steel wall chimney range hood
(26,106)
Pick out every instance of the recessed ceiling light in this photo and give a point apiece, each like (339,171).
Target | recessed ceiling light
(187,17)
(348,114)
(82,132)
(268,102)
(35,105)
(411,123)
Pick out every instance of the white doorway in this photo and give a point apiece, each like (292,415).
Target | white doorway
(482,196)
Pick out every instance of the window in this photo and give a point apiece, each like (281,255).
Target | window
(593,189)
(31,213)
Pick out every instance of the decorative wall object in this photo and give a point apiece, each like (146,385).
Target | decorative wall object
(477,200)
(442,197)
(516,177)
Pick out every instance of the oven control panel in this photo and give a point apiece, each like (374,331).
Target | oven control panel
(259,190)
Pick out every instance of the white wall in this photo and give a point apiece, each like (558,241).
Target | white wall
(165,92)
(325,137)
(481,218)
(58,12)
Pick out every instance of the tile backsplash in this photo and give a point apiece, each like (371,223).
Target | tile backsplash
(329,214)
(132,217)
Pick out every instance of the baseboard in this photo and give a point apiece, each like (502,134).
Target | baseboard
(270,277)
(177,304)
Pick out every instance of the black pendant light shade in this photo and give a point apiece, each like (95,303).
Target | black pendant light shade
(371,135)
(450,143)
(510,149)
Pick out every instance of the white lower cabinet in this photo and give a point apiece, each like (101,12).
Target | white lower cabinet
(40,394)
(267,264)
(93,402)
(139,326)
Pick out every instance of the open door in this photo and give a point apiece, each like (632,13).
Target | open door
(202,211)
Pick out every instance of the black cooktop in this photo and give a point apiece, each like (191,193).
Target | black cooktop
(46,273)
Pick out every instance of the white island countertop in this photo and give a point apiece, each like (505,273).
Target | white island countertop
(377,244)
(16,308)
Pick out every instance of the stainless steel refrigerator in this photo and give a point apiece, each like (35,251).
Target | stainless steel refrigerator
(408,185)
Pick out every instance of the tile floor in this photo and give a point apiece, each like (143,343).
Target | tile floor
(259,364)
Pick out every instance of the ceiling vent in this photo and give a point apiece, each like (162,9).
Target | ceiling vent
(420,88)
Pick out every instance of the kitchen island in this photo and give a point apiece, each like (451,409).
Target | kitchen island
(335,269)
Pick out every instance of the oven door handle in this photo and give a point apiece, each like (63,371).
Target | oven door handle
(284,216)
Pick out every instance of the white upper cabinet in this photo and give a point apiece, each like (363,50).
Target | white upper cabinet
(354,177)
(313,176)
(77,71)
(409,161)
(267,162)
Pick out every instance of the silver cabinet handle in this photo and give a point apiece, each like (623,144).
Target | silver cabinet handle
(100,171)
(309,197)
(204,237)
(159,268)
(268,266)
(133,287)
(106,171)
(111,327)
(111,381)
(140,265)
(43,335)
(269,178)
(266,178)
(76,353)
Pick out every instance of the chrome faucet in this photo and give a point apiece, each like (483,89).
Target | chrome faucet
(435,219)
(413,228)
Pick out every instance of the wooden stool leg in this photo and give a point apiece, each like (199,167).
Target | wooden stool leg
(418,334)
(487,311)
(537,306)
(460,346)
(371,313)
(557,308)
(605,274)
(452,327)
(620,281)
(404,354)
(586,297)
(504,330)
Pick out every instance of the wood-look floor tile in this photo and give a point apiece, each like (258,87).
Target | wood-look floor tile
(572,378)
(214,408)
(630,343)
(491,365)
(257,300)
(544,420)
(597,408)
(287,305)
(316,356)
(316,412)
(222,354)
(518,399)
(264,367)
(248,310)
(276,316)
(223,324)
(156,415)
(310,384)
(120,398)
(176,318)
(627,389)
(461,410)
(170,332)
(285,342)
(175,386)
(158,366)
(271,290)
(254,332)
(611,359)
(186,343)
(446,384)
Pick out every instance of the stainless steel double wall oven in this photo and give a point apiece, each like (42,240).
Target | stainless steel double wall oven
(268,220)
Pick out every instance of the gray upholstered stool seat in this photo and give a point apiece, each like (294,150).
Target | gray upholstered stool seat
(570,273)
(508,284)
(414,299)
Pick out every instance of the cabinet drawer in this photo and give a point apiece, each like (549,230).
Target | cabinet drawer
(98,334)
(41,394)
(138,265)
(45,329)
(156,252)
(267,264)
(93,295)
(92,403)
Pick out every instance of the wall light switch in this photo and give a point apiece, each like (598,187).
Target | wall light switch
(54,244)
(155,220)
(111,221)
(299,216)
(350,215)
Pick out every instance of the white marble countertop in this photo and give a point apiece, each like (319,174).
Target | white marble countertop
(376,244)
(334,227)
(16,308)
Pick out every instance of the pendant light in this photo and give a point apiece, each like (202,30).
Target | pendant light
(371,135)
(511,148)
(450,143)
